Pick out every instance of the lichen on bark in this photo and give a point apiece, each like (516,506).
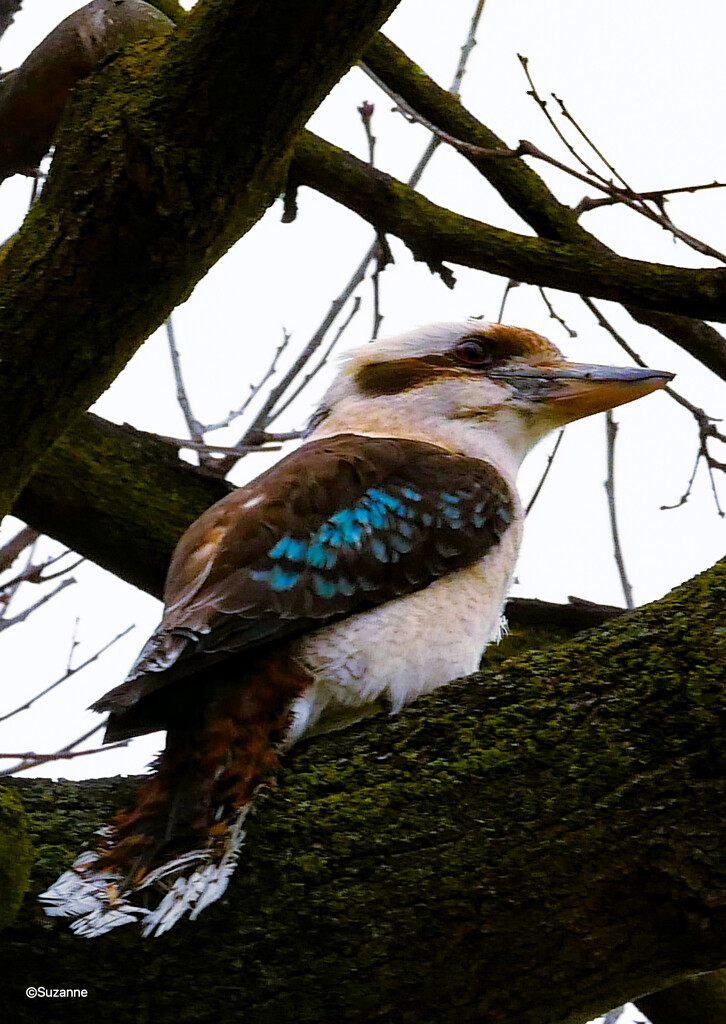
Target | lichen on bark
(536,842)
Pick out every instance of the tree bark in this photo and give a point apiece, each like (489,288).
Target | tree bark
(118,496)
(435,234)
(169,154)
(698,1001)
(535,843)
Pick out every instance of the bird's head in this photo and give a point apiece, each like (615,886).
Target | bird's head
(472,386)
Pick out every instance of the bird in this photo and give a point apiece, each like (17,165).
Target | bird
(367,567)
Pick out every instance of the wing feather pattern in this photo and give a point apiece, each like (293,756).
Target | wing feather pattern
(340,525)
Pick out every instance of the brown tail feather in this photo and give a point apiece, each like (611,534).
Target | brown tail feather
(206,773)
(184,832)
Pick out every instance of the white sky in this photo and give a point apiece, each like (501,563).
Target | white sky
(645,79)
(645,83)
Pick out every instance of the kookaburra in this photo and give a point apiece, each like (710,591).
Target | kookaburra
(366,568)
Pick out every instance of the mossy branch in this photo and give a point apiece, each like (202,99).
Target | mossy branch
(169,154)
(118,496)
(435,235)
(536,843)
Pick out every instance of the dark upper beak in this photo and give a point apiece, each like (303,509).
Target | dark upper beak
(574,390)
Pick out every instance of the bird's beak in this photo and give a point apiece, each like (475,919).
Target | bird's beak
(573,390)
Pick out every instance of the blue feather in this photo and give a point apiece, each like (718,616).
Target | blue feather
(400,543)
(323,587)
(277,578)
(384,499)
(378,549)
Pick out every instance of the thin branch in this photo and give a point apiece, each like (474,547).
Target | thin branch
(466,49)
(554,315)
(366,114)
(16,545)
(611,428)
(625,195)
(366,110)
(254,388)
(204,448)
(309,376)
(74,644)
(196,431)
(706,424)
(525,148)
(34,574)
(656,195)
(568,117)
(511,284)
(68,673)
(542,104)
(548,467)
(22,616)
(29,759)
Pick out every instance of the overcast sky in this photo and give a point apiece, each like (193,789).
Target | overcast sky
(644,80)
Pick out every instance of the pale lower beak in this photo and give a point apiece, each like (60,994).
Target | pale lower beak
(574,390)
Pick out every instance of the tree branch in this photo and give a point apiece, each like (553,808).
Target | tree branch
(535,843)
(524,191)
(118,496)
(170,153)
(435,234)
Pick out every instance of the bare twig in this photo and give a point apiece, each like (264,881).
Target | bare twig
(542,104)
(216,449)
(548,467)
(366,113)
(554,315)
(324,358)
(67,675)
(14,547)
(511,284)
(74,644)
(29,759)
(466,49)
(366,110)
(655,196)
(706,424)
(254,388)
(625,194)
(194,427)
(586,138)
(33,573)
(611,428)
(22,616)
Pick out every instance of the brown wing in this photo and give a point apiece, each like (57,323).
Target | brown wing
(338,526)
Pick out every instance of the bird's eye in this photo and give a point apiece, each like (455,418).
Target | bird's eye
(473,352)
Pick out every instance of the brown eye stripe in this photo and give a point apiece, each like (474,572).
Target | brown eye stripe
(398,375)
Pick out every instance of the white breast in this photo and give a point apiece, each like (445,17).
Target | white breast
(394,653)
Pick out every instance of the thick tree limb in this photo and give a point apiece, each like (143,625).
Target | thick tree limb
(533,844)
(118,496)
(698,1001)
(171,152)
(435,235)
(523,190)
(33,96)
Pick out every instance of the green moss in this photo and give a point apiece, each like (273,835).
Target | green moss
(16,855)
